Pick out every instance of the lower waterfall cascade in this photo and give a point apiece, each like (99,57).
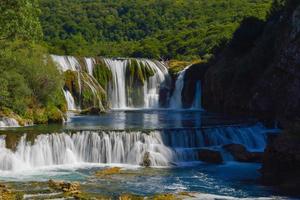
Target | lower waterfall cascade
(165,147)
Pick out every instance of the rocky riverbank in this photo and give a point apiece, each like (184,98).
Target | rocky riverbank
(281,163)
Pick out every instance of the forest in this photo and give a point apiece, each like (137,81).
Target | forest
(161,29)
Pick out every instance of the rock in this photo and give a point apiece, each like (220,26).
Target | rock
(241,154)
(146,160)
(281,164)
(71,188)
(263,80)
(210,156)
(7,193)
(91,111)
(108,172)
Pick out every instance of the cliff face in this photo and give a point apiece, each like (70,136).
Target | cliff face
(259,72)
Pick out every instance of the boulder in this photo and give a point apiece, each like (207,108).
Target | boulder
(91,111)
(281,163)
(71,188)
(210,156)
(146,160)
(241,154)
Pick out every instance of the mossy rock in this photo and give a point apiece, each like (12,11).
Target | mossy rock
(72,84)
(54,114)
(108,172)
(40,116)
(92,111)
(7,193)
(102,74)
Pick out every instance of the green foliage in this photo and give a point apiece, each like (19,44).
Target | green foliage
(182,29)
(29,79)
(19,19)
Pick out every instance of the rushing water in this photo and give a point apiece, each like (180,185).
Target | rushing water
(8,122)
(176,99)
(70,100)
(74,151)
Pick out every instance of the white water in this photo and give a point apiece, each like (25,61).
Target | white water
(166,148)
(66,63)
(70,100)
(176,99)
(8,122)
(118,85)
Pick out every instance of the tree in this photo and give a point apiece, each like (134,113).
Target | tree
(19,19)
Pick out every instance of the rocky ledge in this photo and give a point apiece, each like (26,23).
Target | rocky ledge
(281,163)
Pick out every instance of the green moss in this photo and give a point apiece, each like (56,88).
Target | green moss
(138,71)
(40,116)
(102,74)
(176,66)
(54,115)
(71,84)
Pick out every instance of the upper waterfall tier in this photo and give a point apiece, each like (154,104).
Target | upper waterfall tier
(129,83)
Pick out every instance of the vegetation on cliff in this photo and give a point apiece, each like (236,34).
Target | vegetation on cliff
(257,73)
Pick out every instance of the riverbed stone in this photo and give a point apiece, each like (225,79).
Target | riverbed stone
(66,187)
(146,160)
(210,156)
(241,154)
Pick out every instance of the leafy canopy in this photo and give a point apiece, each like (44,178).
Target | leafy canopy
(19,19)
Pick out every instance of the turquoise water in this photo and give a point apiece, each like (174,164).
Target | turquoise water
(232,178)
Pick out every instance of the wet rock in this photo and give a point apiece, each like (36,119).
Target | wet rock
(241,154)
(91,111)
(70,188)
(108,172)
(281,163)
(7,193)
(210,156)
(146,160)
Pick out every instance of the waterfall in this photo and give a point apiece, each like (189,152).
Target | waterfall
(165,147)
(66,63)
(118,96)
(90,65)
(118,93)
(176,99)
(197,98)
(8,122)
(70,100)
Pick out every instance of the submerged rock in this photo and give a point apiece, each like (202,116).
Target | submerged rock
(108,172)
(146,160)
(210,156)
(92,111)
(241,154)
